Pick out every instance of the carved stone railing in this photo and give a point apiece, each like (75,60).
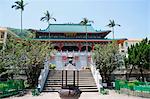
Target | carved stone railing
(43,76)
(96,75)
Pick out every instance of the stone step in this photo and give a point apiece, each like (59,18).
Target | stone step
(68,84)
(81,87)
(59,79)
(59,85)
(54,81)
(71,74)
(80,81)
(56,90)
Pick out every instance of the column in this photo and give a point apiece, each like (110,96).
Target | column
(79,46)
(61,45)
(92,47)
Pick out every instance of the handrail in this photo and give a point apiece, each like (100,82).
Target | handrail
(43,76)
(96,75)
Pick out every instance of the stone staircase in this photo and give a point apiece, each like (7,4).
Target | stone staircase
(54,81)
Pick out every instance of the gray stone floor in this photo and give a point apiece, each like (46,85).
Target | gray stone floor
(85,95)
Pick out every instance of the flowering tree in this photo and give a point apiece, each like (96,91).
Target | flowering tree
(25,55)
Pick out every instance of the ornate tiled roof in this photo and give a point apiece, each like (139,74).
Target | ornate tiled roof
(78,28)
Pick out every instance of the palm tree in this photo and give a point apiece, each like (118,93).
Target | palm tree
(48,17)
(84,22)
(112,24)
(19,5)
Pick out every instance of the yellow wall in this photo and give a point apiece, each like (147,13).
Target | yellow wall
(3,36)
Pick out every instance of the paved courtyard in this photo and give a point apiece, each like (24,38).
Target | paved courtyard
(85,95)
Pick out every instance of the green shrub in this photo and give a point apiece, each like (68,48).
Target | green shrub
(52,66)
(136,82)
(3,86)
(26,85)
(122,83)
(131,85)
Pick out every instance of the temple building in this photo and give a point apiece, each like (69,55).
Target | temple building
(74,37)
(65,37)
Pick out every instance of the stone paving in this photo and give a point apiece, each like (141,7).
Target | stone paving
(85,95)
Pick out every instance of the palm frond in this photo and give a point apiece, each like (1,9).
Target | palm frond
(86,21)
(22,7)
(82,23)
(17,7)
(43,18)
(48,17)
(47,14)
(118,24)
(91,21)
(13,6)
(18,2)
(25,4)
(54,19)
(109,25)
(110,21)
(113,21)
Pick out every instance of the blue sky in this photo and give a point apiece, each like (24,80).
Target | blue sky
(132,15)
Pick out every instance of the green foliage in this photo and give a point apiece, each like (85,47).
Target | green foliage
(112,24)
(3,86)
(52,66)
(131,85)
(1,46)
(139,56)
(23,34)
(47,17)
(19,5)
(122,82)
(134,85)
(26,85)
(35,92)
(24,55)
(104,91)
(85,21)
(106,59)
(12,84)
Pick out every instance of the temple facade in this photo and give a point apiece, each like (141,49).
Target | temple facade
(74,37)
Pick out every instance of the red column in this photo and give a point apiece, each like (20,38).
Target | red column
(60,46)
(92,47)
(79,46)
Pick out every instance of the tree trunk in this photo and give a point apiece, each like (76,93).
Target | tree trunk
(21,21)
(113,33)
(130,72)
(141,71)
